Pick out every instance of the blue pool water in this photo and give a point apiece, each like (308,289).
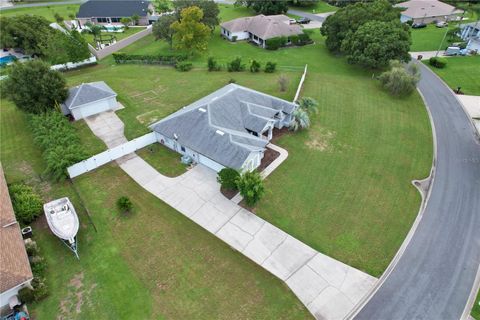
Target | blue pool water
(6,59)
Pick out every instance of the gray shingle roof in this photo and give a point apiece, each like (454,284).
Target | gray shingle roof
(265,27)
(113,8)
(86,93)
(426,8)
(228,110)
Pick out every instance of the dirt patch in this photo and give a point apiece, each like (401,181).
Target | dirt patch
(320,139)
(268,157)
(228,193)
(77,296)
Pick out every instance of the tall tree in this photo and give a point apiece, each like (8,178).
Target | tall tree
(304,3)
(375,43)
(190,33)
(162,28)
(350,18)
(266,7)
(34,87)
(209,7)
(162,6)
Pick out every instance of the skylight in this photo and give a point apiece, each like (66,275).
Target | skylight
(220,132)
(202,110)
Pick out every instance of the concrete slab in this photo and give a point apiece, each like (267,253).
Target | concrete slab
(333,271)
(234,236)
(247,221)
(210,218)
(471,104)
(290,255)
(331,303)
(266,240)
(306,284)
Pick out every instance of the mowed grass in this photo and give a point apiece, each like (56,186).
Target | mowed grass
(476,308)
(430,38)
(151,264)
(47,12)
(163,159)
(319,7)
(461,72)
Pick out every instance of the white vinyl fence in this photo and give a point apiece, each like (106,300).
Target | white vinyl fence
(300,85)
(111,154)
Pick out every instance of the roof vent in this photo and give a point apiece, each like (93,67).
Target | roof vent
(202,110)
(220,132)
(175,136)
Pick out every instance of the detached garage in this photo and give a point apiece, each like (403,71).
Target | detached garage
(88,99)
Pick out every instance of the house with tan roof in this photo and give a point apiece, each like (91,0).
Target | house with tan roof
(427,11)
(260,28)
(15,271)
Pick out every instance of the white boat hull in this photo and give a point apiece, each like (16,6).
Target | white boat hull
(62,219)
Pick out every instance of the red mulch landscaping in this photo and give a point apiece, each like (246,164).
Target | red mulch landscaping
(228,193)
(268,156)
(278,133)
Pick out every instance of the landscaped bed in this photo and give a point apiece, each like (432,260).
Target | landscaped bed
(118,35)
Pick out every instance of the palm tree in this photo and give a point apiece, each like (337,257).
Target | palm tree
(309,105)
(301,120)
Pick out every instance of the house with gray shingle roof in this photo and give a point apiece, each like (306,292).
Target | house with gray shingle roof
(259,28)
(228,128)
(112,11)
(427,11)
(88,99)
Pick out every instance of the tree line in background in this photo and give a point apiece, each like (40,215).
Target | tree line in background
(269,7)
(35,37)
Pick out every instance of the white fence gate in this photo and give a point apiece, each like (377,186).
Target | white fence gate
(111,154)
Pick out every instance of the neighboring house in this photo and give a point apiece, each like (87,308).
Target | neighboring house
(228,128)
(88,99)
(428,11)
(259,28)
(15,271)
(110,12)
(470,32)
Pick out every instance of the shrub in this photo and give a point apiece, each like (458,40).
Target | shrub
(275,43)
(124,204)
(255,66)
(184,66)
(59,140)
(40,289)
(26,295)
(283,82)
(235,65)
(232,80)
(400,81)
(270,67)
(26,203)
(227,177)
(213,65)
(251,187)
(438,62)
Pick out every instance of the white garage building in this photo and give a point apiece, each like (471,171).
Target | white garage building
(88,99)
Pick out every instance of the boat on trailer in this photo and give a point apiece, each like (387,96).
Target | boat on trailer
(63,221)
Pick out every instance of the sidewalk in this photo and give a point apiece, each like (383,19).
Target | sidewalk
(472,106)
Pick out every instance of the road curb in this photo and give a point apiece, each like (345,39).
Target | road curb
(413,229)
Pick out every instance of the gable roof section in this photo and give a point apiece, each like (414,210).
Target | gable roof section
(426,8)
(113,8)
(265,27)
(87,93)
(227,110)
(14,265)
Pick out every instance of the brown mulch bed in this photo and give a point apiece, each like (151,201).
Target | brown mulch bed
(228,193)
(268,157)
(278,133)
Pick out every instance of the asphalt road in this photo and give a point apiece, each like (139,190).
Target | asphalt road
(435,275)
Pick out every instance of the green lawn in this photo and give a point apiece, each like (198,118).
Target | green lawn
(429,38)
(319,7)
(48,12)
(119,35)
(461,72)
(163,159)
(151,264)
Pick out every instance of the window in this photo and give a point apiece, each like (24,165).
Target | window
(182,148)
(115,19)
(102,20)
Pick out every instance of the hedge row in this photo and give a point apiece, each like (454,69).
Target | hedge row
(164,59)
(60,143)
(296,40)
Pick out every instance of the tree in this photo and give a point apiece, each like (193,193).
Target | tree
(255,66)
(58,18)
(135,18)
(227,177)
(162,28)
(126,21)
(348,19)
(267,7)
(190,33)
(283,82)
(212,64)
(375,43)
(301,120)
(62,48)
(251,187)
(400,80)
(304,3)
(308,104)
(27,204)
(209,7)
(34,87)
(162,6)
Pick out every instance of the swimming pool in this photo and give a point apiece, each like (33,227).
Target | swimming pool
(112,28)
(7,59)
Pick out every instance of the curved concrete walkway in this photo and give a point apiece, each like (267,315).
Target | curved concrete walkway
(327,287)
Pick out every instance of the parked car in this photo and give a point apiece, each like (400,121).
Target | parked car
(303,20)
(455,51)
(441,24)
(292,21)
(419,25)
